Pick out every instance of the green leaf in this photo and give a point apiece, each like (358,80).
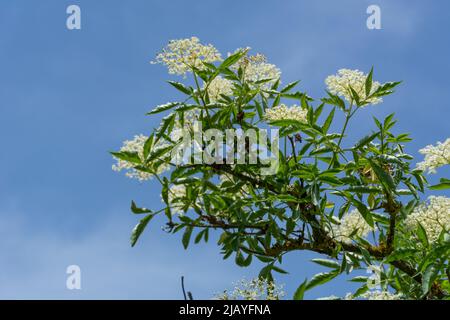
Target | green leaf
(440,186)
(355,96)
(289,86)
(315,194)
(366,214)
(166,122)
(181,87)
(163,107)
(362,189)
(422,234)
(327,263)
(334,100)
(241,261)
(284,198)
(364,288)
(187,236)
(359,279)
(400,254)
(186,107)
(388,121)
(259,109)
(420,180)
(266,272)
(228,62)
(428,278)
(331,180)
(384,177)
(279,270)
(390,159)
(148,146)
(318,112)
(386,89)
(137,210)
(139,228)
(296,96)
(368,84)
(378,123)
(158,153)
(300,292)
(444,184)
(365,140)
(200,235)
(132,157)
(321,278)
(328,121)
(321,150)
(378,217)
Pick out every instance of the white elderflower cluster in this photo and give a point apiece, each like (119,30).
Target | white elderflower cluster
(340,84)
(352,223)
(434,217)
(255,289)
(137,145)
(435,156)
(219,86)
(183,54)
(258,69)
(283,112)
(375,295)
(174,196)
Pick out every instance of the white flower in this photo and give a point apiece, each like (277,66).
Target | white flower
(340,85)
(375,295)
(183,54)
(219,86)
(259,69)
(256,68)
(174,197)
(433,217)
(380,295)
(137,145)
(283,112)
(435,156)
(255,289)
(352,223)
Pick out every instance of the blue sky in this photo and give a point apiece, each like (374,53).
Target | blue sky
(69,97)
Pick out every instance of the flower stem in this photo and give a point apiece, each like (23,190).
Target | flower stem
(201,95)
(347,119)
(348,116)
